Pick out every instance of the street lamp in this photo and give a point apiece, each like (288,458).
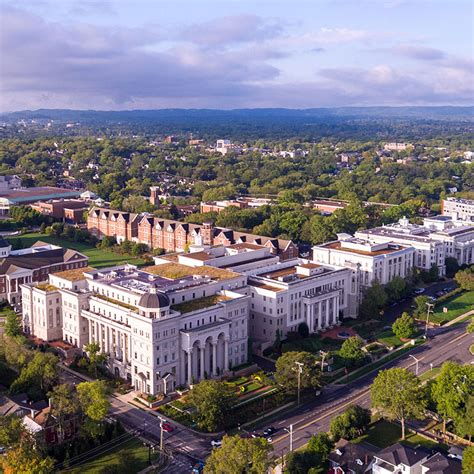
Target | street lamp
(323,355)
(290,431)
(300,371)
(417,362)
(161,433)
(428,311)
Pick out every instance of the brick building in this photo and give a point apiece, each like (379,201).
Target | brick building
(175,236)
(69,210)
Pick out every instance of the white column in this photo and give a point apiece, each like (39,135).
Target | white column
(124,347)
(226,355)
(320,315)
(335,310)
(328,322)
(214,359)
(190,366)
(202,352)
(107,346)
(90,330)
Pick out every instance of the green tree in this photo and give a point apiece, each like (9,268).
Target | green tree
(299,462)
(11,430)
(396,289)
(24,458)
(319,446)
(404,326)
(350,424)
(12,324)
(286,371)
(451,389)
(93,399)
(303,330)
(351,351)
(421,308)
(64,403)
(468,460)
(470,327)
(399,394)
(240,455)
(452,267)
(375,298)
(96,358)
(465,278)
(213,401)
(464,422)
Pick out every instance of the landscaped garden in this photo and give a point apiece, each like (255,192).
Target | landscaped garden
(98,258)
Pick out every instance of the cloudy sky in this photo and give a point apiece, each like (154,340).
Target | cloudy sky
(135,54)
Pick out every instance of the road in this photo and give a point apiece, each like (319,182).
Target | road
(315,416)
(188,446)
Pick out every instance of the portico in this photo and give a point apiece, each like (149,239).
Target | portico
(322,309)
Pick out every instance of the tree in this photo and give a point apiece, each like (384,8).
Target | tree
(421,308)
(464,423)
(404,326)
(452,266)
(240,455)
(396,289)
(286,372)
(351,351)
(96,358)
(24,458)
(38,377)
(11,430)
(93,398)
(468,460)
(465,278)
(375,298)
(299,462)
(64,403)
(13,324)
(399,394)
(470,327)
(42,228)
(213,401)
(451,389)
(350,424)
(319,446)
(303,330)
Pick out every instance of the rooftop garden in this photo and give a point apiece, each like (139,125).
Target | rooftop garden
(200,303)
(46,287)
(175,271)
(117,302)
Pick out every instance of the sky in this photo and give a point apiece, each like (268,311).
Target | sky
(225,54)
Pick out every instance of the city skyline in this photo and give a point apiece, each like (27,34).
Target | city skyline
(118,55)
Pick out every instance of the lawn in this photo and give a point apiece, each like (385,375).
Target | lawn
(312,344)
(133,449)
(98,258)
(388,338)
(384,433)
(457,305)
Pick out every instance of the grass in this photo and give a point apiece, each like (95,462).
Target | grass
(389,339)
(134,450)
(456,305)
(383,433)
(430,374)
(98,258)
(200,303)
(312,344)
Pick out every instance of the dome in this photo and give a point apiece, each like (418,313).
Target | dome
(154,299)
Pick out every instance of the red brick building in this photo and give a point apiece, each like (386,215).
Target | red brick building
(175,236)
(69,210)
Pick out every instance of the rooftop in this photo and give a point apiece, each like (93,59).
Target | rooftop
(75,274)
(200,303)
(46,287)
(176,271)
(38,193)
(338,245)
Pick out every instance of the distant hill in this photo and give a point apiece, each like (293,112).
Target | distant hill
(94,116)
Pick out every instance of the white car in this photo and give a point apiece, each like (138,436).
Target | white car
(216,443)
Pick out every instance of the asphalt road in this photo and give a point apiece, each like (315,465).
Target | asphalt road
(315,416)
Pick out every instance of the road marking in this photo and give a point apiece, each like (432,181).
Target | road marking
(459,337)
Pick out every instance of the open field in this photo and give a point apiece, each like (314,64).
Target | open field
(457,305)
(98,258)
(132,450)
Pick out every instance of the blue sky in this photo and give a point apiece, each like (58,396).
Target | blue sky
(124,54)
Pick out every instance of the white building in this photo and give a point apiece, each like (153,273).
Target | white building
(396,146)
(283,294)
(164,326)
(459,209)
(369,261)
(438,238)
(400,459)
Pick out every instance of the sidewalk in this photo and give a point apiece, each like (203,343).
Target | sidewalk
(459,318)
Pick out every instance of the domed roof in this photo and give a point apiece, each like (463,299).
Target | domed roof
(154,299)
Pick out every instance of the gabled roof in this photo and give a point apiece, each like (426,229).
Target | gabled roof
(399,454)
(440,464)
(352,456)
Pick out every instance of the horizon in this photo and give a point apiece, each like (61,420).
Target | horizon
(117,56)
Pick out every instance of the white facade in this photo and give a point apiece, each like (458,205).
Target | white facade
(369,261)
(459,209)
(159,331)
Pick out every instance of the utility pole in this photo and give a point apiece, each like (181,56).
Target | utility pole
(291,438)
(299,366)
(161,435)
(428,311)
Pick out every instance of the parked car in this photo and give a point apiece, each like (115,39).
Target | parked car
(167,427)
(439,293)
(255,434)
(418,291)
(447,290)
(216,443)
